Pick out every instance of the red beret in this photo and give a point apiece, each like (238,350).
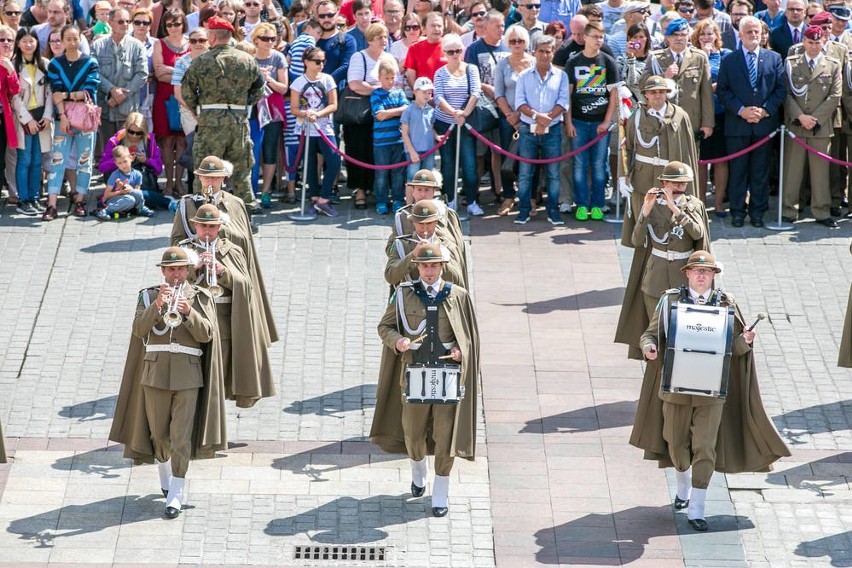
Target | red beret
(217,23)
(820,19)
(814,32)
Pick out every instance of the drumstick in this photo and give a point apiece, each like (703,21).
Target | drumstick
(421,338)
(445,357)
(760,316)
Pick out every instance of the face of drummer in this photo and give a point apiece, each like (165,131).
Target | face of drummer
(206,233)
(424,230)
(175,274)
(700,279)
(430,271)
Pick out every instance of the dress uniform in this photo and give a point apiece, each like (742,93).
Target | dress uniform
(248,375)
(222,85)
(653,137)
(235,228)
(844,359)
(425,320)
(170,407)
(814,90)
(2,446)
(423,186)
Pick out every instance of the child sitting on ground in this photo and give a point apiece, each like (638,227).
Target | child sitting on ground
(124,189)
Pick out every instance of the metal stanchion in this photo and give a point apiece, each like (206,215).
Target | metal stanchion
(615,190)
(301,215)
(780,225)
(462,213)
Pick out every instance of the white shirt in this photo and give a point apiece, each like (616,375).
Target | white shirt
(695,295)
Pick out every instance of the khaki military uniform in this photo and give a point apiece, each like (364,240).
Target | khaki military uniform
(400,266)
(2,446)
(844,359)
(694,92)
(841,180)
(221,86)
(816,93)
(650,144)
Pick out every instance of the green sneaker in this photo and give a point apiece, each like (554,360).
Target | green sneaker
(597,214)
(266,201)
(582,214)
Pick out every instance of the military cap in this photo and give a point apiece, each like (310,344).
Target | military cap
(630,7)
(814,32)
(211,166)
(175,256)
(207,214)
(820,19)
(677,25)
(676,171)
(217,23)
(841,12)
(702,259)
(425,177)
(429,253)
(424,211)
(656,83)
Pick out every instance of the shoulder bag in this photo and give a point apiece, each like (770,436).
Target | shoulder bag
(352,108)
(484,116)
(84,115)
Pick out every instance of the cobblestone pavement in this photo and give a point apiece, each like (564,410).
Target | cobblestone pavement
(554,481)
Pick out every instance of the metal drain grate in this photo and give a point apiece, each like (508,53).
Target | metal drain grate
(374,553)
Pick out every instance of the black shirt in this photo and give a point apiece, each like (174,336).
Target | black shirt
(564,53)
(589,78)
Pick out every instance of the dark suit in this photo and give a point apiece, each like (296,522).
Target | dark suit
(781,38)
(730,39)
(749,173)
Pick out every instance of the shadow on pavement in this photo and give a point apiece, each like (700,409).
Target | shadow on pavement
(589,419)
(101,409)
(837,547)
(582,301)
(128,245)
(812,477)
(621,537)
(349,521)
(74,520)
(96,462)
(819,419)
(332,404)
(302,462)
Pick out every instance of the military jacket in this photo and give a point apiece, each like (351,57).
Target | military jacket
(839,51)
(813,92)
(693,89)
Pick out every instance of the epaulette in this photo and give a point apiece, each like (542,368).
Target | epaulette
(830,58)
(406,284)
(671,291)
(795,56)
(187,241)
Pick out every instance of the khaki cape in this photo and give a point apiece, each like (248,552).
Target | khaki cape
(130,423)
(845,357)
(2,446)
(238,231)
(747,440)
(386,431)
(250,375)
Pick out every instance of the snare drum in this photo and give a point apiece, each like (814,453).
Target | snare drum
(698,352)
(438,384)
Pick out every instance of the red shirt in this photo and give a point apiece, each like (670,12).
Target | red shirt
(346,11)
(425,58)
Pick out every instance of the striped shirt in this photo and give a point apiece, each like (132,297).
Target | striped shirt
(297,50)
(455,90)
(387,132)
(71,76)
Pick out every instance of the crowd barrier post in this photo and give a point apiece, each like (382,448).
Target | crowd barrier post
(780,225)
(301,215)
(617,218)
(616,192)
(463,216)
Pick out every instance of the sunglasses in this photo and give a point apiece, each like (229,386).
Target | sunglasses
(532,6)
(6,40)
(453,51)
(478,14)
(174,25)
(686,10)
(317,61)
(13,13)
(251,5)
(266,38)
(135,132)
(197,40)
(141,23)
(410,28)
(326,16)
(516,41)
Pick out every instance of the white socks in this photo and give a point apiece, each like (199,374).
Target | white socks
(165,471)
(177,488)
(441,491)
(684,484)
(419,472)
(696,504)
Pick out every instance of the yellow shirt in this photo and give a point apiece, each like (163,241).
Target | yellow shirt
(31,71)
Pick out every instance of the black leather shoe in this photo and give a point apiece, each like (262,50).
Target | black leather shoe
(737,222)
(828,222)
(680,503)
(417,491)
(173,513)
(698,524)
(835,211)
(758,223)
(165,492)
(440,511)
(788,219)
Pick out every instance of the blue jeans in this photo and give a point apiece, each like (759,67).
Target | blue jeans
(547,145)
(593,158)
(133,200)
(389,179)
(427,163)
(467,162)
(256,135)
(83,144)
(330,170)
(28,169)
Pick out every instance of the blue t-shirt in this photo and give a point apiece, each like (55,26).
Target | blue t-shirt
(386,132)
(420,123)
(133,179)
(485,57)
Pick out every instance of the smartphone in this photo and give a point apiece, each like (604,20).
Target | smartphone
(535,129)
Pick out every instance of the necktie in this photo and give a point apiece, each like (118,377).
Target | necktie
(678,59)
(700,300)
(811,64)
(796,36)
(752,68)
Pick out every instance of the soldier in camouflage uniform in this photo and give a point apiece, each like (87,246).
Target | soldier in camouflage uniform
(221,86)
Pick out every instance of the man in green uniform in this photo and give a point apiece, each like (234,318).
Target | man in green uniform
(222,269)
(423,186)
(2,446)
(170,407)
(221,86)
(428,322)
(698,434)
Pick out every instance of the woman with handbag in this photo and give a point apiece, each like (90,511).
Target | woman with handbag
(73,79)
(267,138)
(9,87)
(33,108)
(166,110)
(361,80)
(145,155)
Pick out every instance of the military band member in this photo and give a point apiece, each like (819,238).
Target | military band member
(235,227)
(402,248)
(688,68)
(670,226)
(423,186)
(221,86)
(845,357)
(2,446)
(658,132)
(171,408)
(699,434)
(248,375)
(429,322)
(814,90)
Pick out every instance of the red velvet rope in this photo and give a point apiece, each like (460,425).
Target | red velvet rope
(570,154)
(813,150)
(740,153)
(352,160)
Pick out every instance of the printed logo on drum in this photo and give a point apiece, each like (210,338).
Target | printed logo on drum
(701,328)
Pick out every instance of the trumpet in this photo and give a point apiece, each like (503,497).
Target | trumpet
(210,271)
(172,317)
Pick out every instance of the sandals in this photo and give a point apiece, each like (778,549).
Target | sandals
(505,207)
(533,207)
(360,199)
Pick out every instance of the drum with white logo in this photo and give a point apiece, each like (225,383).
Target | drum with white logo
(438,384)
